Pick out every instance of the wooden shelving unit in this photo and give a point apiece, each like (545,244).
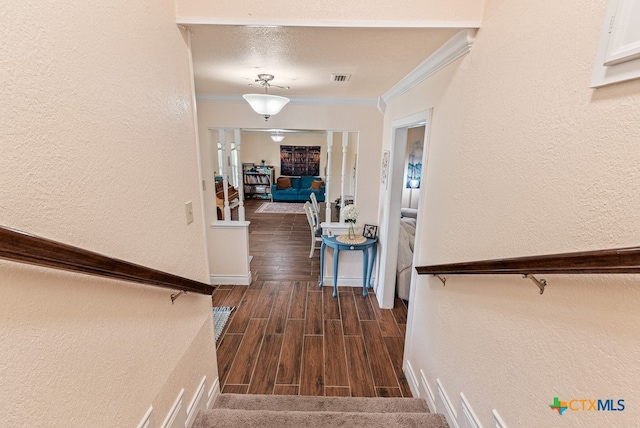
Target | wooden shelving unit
(257,181)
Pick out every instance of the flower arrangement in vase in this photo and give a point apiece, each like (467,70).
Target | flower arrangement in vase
(350,215)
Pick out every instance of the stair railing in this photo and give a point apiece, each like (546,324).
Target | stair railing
(23,247)
(618,260)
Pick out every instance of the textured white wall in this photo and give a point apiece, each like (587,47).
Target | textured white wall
(526,159)
(98,151)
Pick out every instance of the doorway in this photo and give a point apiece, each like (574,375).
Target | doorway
(393,198)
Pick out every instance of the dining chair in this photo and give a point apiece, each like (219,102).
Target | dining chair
(314,225)
(314,203)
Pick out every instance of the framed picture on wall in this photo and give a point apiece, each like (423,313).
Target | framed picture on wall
(299,160)
(384,170)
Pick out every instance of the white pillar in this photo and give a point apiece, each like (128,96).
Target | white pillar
(345,145)
(327,185)
(224,172)
(240,176)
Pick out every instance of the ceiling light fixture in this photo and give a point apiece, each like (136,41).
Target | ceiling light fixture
(265,104)
(277,137)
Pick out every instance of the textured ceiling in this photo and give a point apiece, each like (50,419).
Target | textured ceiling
(227,58)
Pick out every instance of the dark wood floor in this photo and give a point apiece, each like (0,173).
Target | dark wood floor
(288,336)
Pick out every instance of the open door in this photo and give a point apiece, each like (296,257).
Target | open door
(393,198)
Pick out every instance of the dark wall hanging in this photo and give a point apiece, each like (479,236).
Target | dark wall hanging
(300,160)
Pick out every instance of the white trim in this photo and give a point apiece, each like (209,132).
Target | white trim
(411,379)
(388,254)
(299,100)
(431,399)
(147,419)
(453,49)
(355,281)
(230,279)
(230,224)
(450,414)
(213,393)
(498,420)
(194,106)
(196,403)
(470,420)
(413,120)
(176,415)
(617,19)
(187,20)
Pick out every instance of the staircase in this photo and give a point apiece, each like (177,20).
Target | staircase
(289,411)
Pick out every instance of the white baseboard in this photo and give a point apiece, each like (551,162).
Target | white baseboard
(147,419)
(443,402)
(197,403)
(499,423)
(345,282)
(411,379)
(181,417)
(431,398)
(177,416)
(467,415)
(213,393)
(230,279)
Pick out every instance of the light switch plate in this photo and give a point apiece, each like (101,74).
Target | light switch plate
(188,209)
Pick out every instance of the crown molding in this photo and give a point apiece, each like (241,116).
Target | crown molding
(453,49)
(382,105)
(190,20)
(298,100)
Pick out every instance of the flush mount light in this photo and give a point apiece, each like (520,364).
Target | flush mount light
(265,104)
(277,137)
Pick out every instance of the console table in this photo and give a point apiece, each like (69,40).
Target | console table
(367,260)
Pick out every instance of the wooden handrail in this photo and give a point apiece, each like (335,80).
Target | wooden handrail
(26,248)
(619,260)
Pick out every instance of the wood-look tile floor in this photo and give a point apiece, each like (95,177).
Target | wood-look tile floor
(288,336)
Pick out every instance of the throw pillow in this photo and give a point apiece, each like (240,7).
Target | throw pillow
(317,185)
(284,183)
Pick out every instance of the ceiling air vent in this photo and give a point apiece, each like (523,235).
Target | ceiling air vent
(340,77)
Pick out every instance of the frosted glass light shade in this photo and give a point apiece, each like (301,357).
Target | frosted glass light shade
(265,104)
(277,138)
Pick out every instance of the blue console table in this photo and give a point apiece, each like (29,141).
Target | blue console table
(367,260)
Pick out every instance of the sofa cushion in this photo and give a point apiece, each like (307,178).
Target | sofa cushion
(306,180)
(295,182)
(284,183)
(316,185)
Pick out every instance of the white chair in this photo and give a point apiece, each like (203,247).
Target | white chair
(314,203)
(314,225)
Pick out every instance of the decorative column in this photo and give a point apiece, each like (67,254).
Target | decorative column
(225,177)
(327,187)
(239,179)
(345,145)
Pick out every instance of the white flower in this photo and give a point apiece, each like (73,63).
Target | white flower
(349,213)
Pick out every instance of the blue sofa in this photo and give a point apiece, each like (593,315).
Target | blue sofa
(300,190)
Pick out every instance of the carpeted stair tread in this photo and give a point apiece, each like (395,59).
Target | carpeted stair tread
(238,418)
(320,404)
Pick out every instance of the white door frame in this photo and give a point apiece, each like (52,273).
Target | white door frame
(390,228)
